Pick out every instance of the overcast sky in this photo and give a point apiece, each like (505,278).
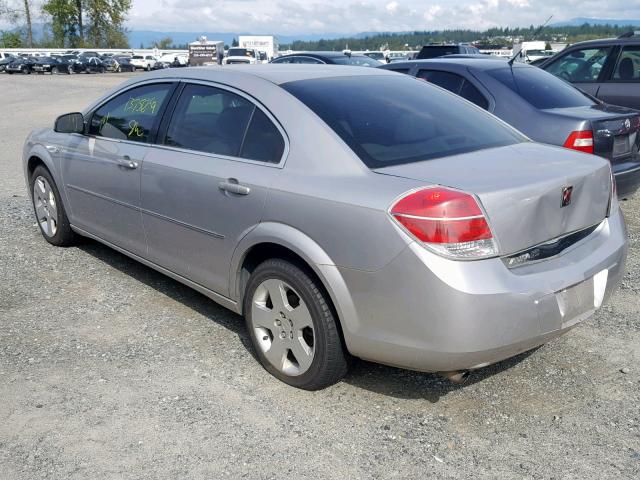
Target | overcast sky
(352,16)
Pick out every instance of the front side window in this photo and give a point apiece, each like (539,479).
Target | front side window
(131,115)
(307,60)
(580,65)
(628,67)
(213,120)
(283,60)
(394,119)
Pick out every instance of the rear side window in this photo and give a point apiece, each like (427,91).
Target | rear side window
(360,60)
(307,60)
(456,84)
(399,70)
(131,115)
(394,119)
(628,67)
(580,65)
(433,51)
(283,60)
(263,141)
(213,120)
(539,88)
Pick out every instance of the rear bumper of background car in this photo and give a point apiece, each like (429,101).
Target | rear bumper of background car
(428,313)
(627,176)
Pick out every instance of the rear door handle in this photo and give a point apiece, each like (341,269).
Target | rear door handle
(126,162)
(232,186)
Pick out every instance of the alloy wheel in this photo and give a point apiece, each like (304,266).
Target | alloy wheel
(283,327)
(45,206)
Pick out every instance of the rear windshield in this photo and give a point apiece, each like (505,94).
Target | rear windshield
(395,119)
(241,52)
(361,60)
(434,51)
(540,88)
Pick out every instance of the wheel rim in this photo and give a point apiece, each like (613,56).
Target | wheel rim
(283,327)
(46,207)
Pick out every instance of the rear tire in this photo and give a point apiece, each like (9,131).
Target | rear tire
(49,210)
(293,327)
(54,71)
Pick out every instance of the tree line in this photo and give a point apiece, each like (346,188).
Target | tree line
(499,37)
(68,23)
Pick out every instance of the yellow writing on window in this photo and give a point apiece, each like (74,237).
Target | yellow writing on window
(135,130)
(141,105)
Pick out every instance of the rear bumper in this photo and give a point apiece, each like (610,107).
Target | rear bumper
(627,177)
(428,313)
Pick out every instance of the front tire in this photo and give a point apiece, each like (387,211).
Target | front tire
(293,327)
(49,210)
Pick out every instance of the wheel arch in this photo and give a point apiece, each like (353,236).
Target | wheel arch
(274,240)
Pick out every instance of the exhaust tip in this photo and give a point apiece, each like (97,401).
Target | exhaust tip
(459,377)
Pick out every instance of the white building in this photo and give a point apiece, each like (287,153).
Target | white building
(262,43)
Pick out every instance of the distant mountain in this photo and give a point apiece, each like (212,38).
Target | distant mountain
(147,37)
(576,22)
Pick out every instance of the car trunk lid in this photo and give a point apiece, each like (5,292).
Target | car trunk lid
(521,189)
(615,130)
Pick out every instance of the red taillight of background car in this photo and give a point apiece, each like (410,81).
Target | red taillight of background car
(449,221)
(581,140)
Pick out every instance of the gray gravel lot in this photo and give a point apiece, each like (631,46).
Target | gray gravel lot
(111,370)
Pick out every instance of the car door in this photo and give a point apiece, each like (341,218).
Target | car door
(205,185)
(585,67)
(101,170)
(623,85)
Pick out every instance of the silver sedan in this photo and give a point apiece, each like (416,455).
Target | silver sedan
(342,211)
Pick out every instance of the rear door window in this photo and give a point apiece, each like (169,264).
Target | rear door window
(456,84)
(447,80)
(216,121)
(132,115)
(579,66)
(628,67)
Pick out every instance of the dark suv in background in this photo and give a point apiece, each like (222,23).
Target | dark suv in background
(607,69)
(434,51)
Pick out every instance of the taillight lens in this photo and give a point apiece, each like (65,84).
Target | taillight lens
(448,221)
(581,140)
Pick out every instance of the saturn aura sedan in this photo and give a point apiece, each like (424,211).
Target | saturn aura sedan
(342,211)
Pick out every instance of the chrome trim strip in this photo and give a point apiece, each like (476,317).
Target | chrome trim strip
(148,212)
(182,224)
(443,219)
(103,197)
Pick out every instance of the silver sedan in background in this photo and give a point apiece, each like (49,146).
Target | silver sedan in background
(342,211)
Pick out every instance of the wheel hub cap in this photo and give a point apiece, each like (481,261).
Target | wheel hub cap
(45,206)
(283,326)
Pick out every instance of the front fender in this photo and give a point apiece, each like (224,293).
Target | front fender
(312,253)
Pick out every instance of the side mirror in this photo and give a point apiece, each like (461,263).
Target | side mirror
(70,123)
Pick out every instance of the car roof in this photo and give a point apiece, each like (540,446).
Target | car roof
(273,73)
(635,40)
(329,54)
(488,63)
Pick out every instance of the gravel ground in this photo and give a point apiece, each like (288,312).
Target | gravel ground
(111,370)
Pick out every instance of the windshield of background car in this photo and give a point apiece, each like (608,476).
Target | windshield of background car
(360,60)
(240,52)
(541,89)
(396,119)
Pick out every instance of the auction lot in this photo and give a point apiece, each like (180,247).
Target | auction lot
(111,370)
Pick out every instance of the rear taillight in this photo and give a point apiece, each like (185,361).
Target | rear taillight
(581,140)
(448,221)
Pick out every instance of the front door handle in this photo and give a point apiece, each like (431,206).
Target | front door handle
(231,185)
(126,162)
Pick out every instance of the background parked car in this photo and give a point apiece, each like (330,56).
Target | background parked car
(8,58)
(87,64)
(51,65)
(20,65)
(433,51)
(241,56)
(118,64)
(337,58)
(144,62)
(607,69)
(543,107)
